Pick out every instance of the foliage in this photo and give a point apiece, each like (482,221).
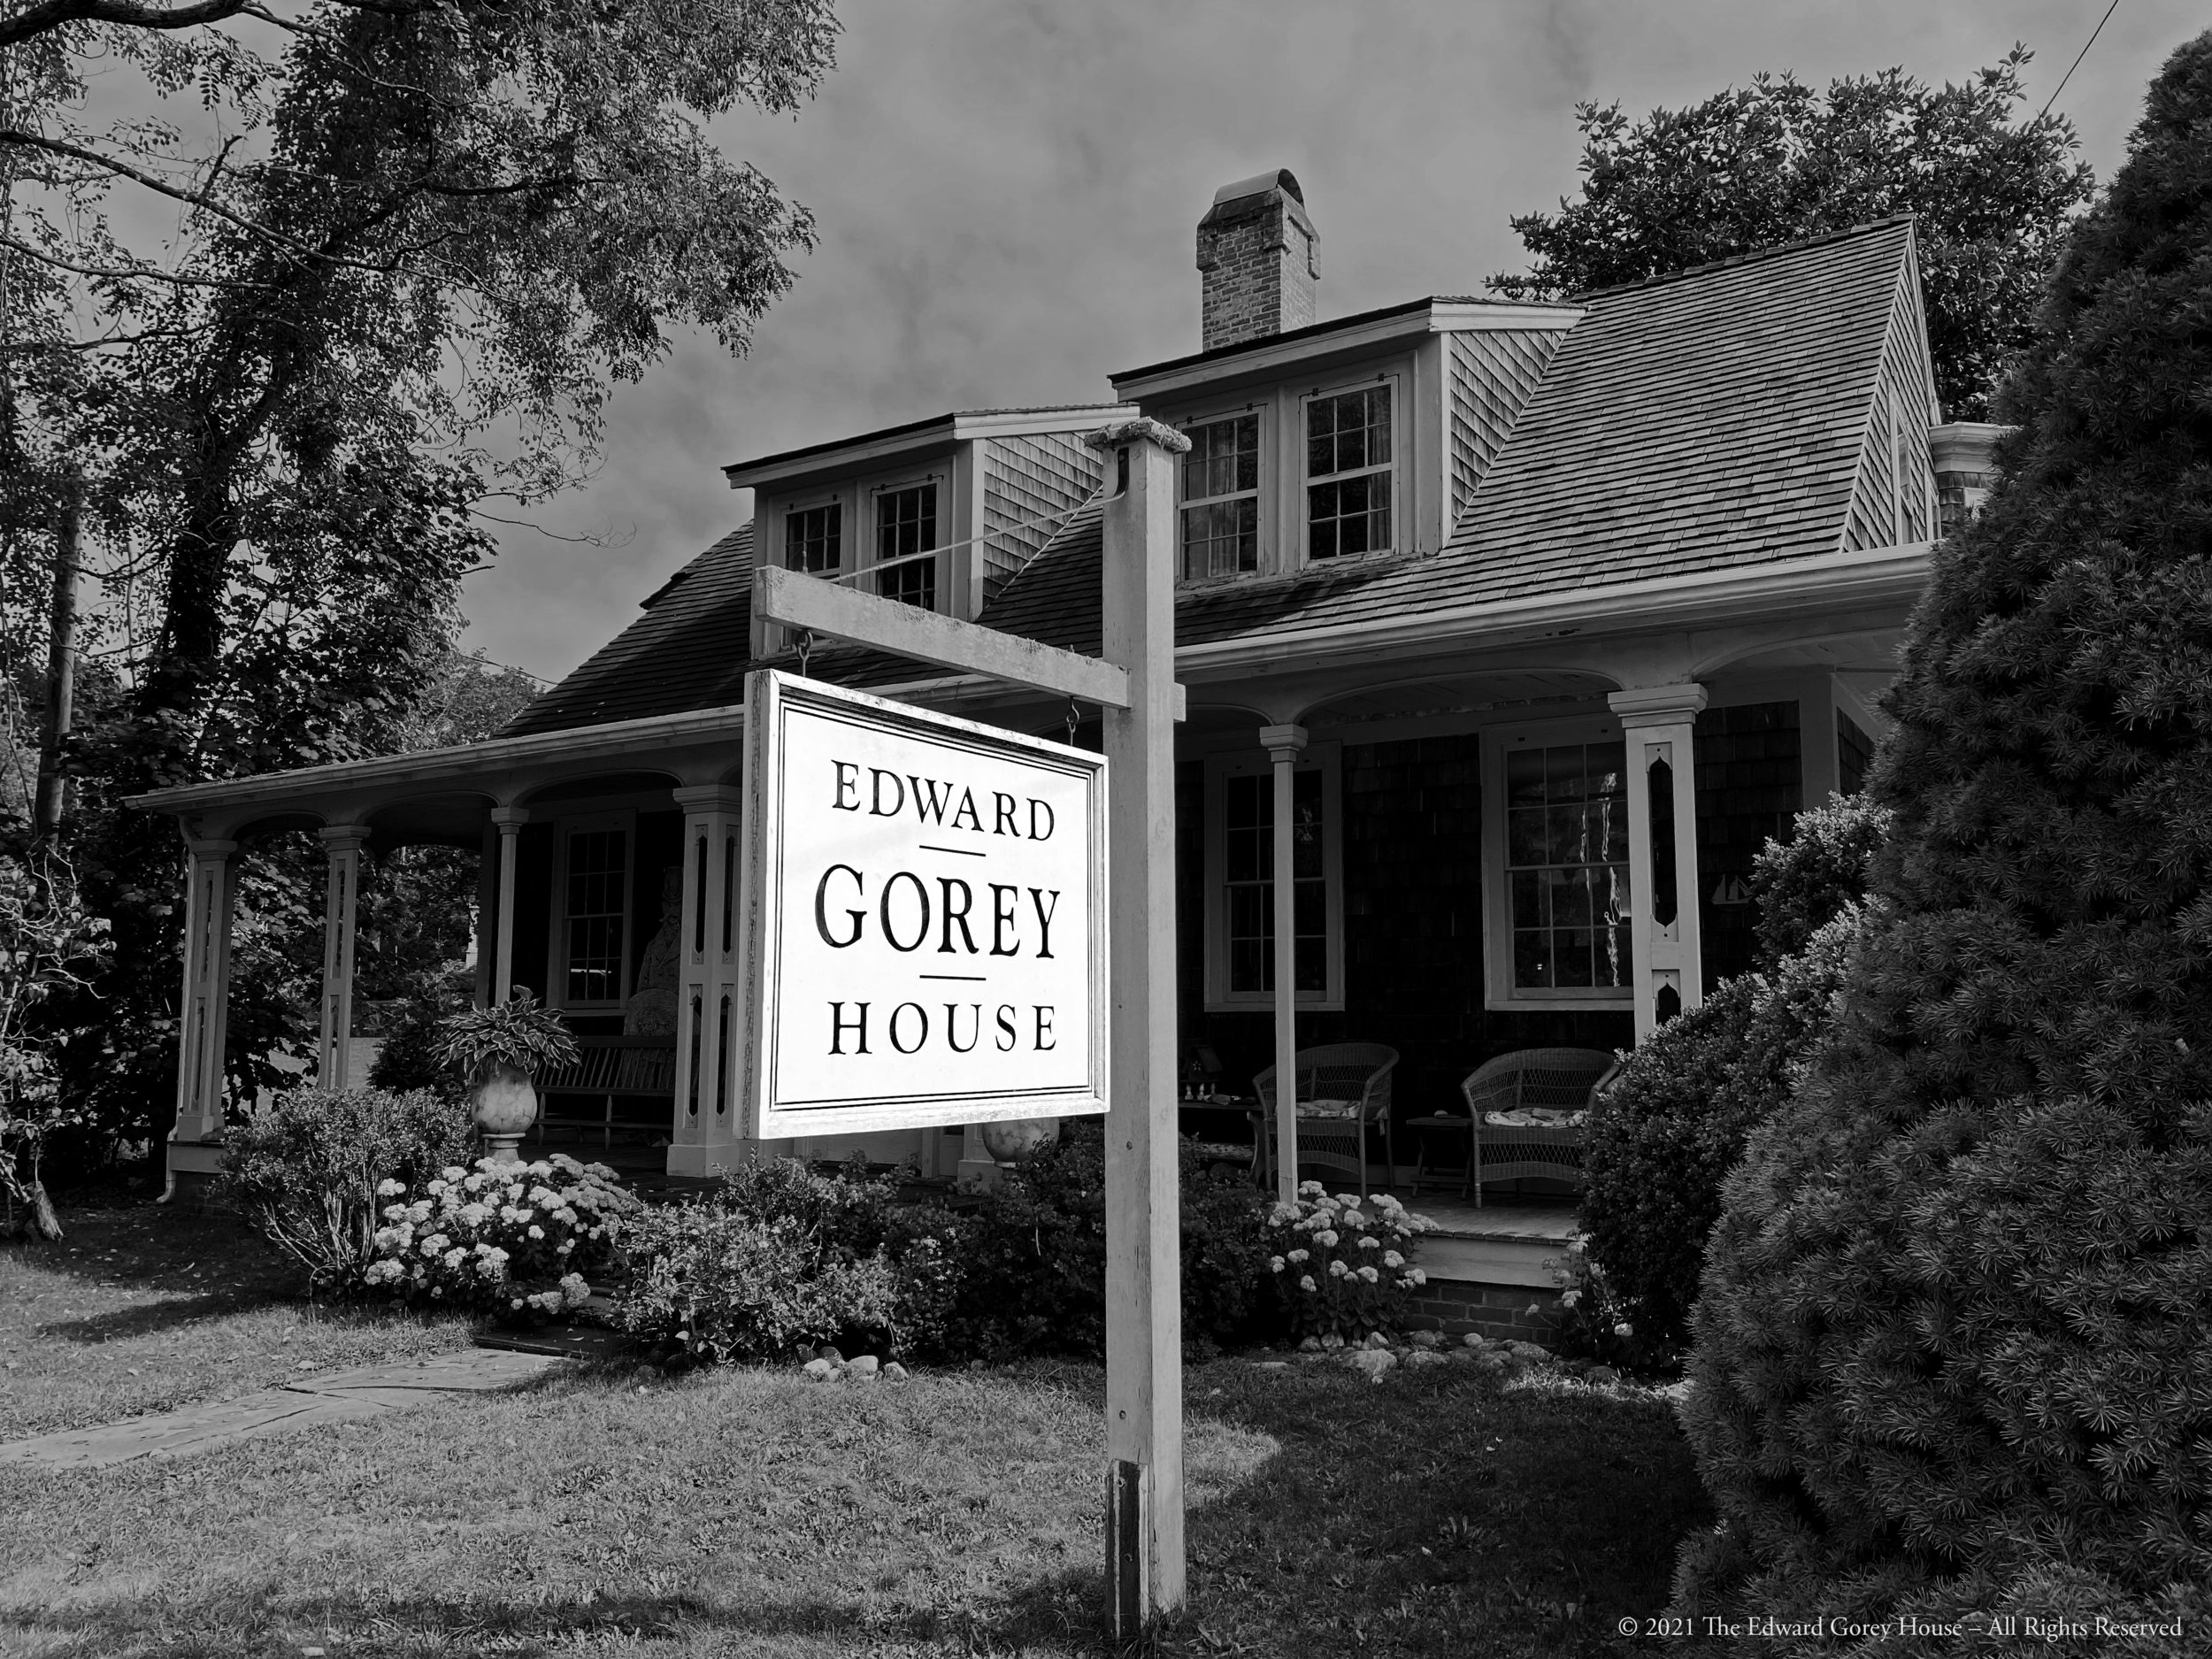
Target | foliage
(1775,161)
(48,943)
(1951,1325)
(766,1266)
(1034,1269)
(391,274)
(1802,884)
(514,1239)
(306,1171)
(1341,1270)
(409,1055)
(516,1033)
(1597,1322)
(1673,1122)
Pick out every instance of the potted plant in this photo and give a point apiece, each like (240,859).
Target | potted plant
(499,1051)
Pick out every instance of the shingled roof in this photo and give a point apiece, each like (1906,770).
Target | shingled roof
(1708,418)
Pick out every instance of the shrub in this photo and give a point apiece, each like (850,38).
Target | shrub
(1674,1122)
(1341,1270)
(1033,1269)
(780,1257)
(1596,1321)
(513,1240)
(409,1056)
(305,1170)
(1952,1323)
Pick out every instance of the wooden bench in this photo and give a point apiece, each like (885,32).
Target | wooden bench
(616,1083)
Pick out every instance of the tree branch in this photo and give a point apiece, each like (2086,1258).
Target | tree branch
(127,273)
(40,19)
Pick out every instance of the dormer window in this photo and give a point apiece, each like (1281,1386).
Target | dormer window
(1221,498)
(906,523)
(814,540)
(1347,473)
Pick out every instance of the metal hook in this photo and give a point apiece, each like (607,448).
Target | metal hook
(806,650)
(1074,714)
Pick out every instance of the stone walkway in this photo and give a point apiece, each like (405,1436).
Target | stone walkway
(345,1396)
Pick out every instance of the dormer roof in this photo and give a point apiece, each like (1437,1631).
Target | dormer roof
(892,446)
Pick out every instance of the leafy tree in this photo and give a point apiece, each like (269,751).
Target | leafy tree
(1952,1331)
(415,244)
(1777,161)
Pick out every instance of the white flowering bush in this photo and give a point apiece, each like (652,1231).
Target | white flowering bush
(1598,1321)
(514,1239)
(1343,1265)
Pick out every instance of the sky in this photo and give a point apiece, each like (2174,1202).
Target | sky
(1007,196)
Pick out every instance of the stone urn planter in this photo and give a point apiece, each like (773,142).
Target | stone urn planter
(1017,1140)
(505,1103)
(501,1050)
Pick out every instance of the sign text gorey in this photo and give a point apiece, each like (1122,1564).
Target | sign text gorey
(929,939)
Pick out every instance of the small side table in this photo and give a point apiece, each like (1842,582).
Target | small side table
(1449,1126)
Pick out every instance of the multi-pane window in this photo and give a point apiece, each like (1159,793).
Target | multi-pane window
(1566,861)
(1248,872)
(814,538)
(1221,498)
(1347,473)
(906,522)
(597,868)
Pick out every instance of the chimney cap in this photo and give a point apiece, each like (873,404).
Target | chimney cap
(1260,184)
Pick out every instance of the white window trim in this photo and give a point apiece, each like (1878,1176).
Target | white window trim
(556,947)
(1500,992)
(1265,511)
(1328,759)
(870,498)
(792,505)
(1391,378)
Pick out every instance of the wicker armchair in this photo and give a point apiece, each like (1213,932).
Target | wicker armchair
(1561,1080)
(1343,1089)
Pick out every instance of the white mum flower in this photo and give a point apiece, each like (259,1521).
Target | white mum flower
(1369,1275)
(1624,1329)
(1274,1263)
(1392,1260)
(1370,1244)
(1338,1270)
(1306,1282)
(455,1256)
(388,1189)
(537,1233)
(1419,1276)
(1299,1255)
(1325,1237)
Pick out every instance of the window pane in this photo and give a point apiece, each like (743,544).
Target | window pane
(1566,857)
(906,522)
(596,866)
(1305,824)
(1221,538)
(814,538)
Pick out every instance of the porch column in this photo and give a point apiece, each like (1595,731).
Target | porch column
(508,820)
(205,1006)
(703,1138)
(486,910)
(1659,723)
(1283,744)
(343,844)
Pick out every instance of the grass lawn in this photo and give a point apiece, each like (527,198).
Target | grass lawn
(749,1512)
(145,1308)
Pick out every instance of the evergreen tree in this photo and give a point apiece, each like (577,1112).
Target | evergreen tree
(1953,1323)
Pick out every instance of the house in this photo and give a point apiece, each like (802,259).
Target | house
(1542,608)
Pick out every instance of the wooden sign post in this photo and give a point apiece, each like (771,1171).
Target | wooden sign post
(1144,1310)
(1134,686)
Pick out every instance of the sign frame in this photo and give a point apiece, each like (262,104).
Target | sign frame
(771,696)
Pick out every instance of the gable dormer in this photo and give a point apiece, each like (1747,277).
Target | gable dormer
(1894,498)
(940,513)
(1333,443)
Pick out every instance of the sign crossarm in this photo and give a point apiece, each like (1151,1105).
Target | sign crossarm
(793,600)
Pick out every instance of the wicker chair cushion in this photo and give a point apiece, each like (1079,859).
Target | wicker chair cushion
(1323,1110)
(1536,1117)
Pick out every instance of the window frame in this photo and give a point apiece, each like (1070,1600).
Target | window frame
(1257,414)
(1328,759)
(557,948)
(1390,382)
(1499,990)
(792,507)
(872,498)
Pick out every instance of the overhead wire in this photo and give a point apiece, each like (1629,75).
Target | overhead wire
(2078,56)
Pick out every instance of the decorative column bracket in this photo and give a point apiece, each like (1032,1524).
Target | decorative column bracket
(1659,725)
(340,906)
(204,1010)
(702,1136)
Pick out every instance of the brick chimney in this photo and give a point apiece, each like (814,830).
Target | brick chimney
(1262,260)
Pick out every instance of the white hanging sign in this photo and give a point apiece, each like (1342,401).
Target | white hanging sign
(926,916)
